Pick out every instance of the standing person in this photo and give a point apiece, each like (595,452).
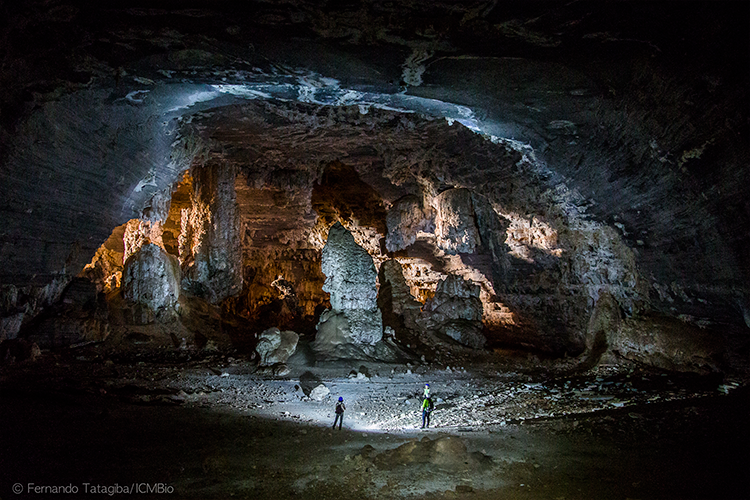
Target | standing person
(426,410)
(340,407)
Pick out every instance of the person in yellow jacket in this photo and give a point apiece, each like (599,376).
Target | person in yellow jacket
(427,407)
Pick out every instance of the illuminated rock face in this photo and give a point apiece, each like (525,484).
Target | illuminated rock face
(400,309)
(592,154)
(209,244)
(351,278)
(275,346)
(151,282)
(354,320)
(405,219)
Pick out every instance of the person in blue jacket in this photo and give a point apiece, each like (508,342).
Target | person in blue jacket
(340,407)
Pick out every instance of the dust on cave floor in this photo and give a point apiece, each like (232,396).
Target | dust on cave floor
(210,426)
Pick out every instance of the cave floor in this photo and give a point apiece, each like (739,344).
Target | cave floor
(212,427)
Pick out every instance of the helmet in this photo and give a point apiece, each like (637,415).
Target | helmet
(340,398)
(427,385)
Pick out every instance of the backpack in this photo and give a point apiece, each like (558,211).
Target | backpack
(339,407)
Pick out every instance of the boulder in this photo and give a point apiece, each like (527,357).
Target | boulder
(309,381)
(319,392)
(275,346)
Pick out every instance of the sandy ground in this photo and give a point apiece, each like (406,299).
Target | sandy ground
(211,426)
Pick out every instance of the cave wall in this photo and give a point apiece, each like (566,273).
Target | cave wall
(611,145)
(209,241)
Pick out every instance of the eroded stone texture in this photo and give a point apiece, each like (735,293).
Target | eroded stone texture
(399,307)
(19,305)
(351,278)
(282,277)
(275,346)
(209,243)
(79,316)
(404,220)
(455,225)
(354,320)
(456,311)
(668,344)
(139,232)
(151,282)
(105,269)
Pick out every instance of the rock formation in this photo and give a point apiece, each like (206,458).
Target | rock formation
(456,311)
(404,220)
(80,316)
(151,282)
(455,225)
(275,346)
(354,321)
(210,251)
(399,307)
(599,150)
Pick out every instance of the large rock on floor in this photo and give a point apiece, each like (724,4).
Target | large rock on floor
(354,321)
(151,281)
(456,311)
(275,346)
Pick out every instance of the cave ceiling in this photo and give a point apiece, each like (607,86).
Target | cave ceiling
(621,128)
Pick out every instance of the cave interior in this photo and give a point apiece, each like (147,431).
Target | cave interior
(362,196)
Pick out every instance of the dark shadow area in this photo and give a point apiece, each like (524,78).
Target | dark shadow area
(342,195)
